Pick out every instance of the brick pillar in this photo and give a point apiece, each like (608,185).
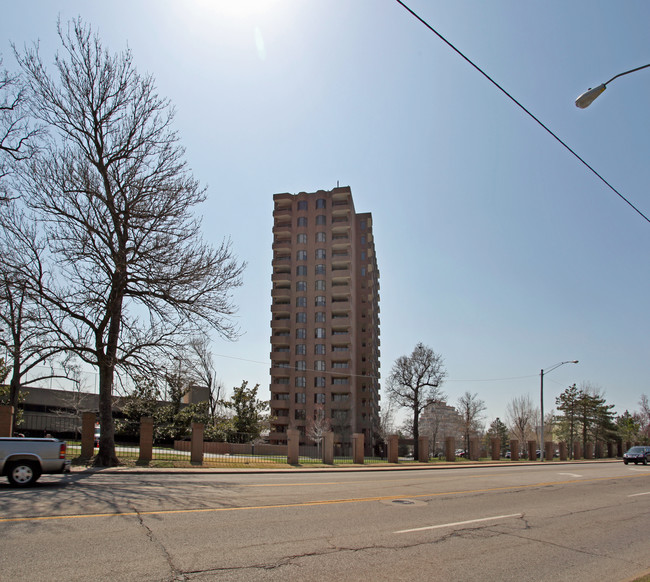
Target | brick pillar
(563,451)
(423,449)
(357,448)
(328,448)
(473,449)
(87,435)
(196,454)
(549,451)
(393,444)
(450,449)
(6,419)
(514,450)
(589,450)
(577,450)
(293,446)
(532,450)
(495,448)
(146,439)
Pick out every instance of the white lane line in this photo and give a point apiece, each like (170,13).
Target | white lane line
(570,474)
(637,494)
(459,523)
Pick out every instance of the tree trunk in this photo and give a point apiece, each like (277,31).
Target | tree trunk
(14,391)
(416,434)
(106,456)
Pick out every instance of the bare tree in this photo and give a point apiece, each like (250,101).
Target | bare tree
(414,383)
(432,422)
(27,338)
(521,416)
(127,272)
(318,426)
(202,373)
(17,133)
(78,400)
(471,409)
(341,426)
(644,415)
(387,420)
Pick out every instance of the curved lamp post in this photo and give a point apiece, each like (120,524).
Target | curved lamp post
(587,98)
(541,402)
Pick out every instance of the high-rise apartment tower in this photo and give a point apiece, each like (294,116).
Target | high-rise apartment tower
(324,317)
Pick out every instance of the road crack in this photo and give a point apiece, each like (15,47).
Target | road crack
(333,548)
(176,574)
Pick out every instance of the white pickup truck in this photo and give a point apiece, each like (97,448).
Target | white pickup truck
(24,460)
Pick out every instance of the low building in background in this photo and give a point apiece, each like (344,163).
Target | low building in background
(58,412)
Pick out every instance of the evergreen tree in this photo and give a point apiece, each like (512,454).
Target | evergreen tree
(585,413)
(627,427)
(567,403)
(248,412)
(499,430)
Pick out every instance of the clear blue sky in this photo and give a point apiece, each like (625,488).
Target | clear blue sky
(496,247)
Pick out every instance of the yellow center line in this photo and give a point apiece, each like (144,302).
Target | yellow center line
(316,503)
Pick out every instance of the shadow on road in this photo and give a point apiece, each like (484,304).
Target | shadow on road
(92,492)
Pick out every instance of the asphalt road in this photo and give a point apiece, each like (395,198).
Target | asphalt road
(576,521)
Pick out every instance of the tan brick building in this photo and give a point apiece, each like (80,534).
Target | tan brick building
(438,421)
(324,316)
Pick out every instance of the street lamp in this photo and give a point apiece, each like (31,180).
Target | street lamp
(541,402)
(587,98)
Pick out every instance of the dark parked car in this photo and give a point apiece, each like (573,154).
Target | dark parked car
(637,455)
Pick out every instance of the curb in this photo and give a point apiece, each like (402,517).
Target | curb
(337,469)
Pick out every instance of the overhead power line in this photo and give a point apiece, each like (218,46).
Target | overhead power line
(500,88)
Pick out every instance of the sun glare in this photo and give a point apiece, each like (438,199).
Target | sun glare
(237,8)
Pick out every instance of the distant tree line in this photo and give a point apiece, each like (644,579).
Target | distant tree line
(582,416)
